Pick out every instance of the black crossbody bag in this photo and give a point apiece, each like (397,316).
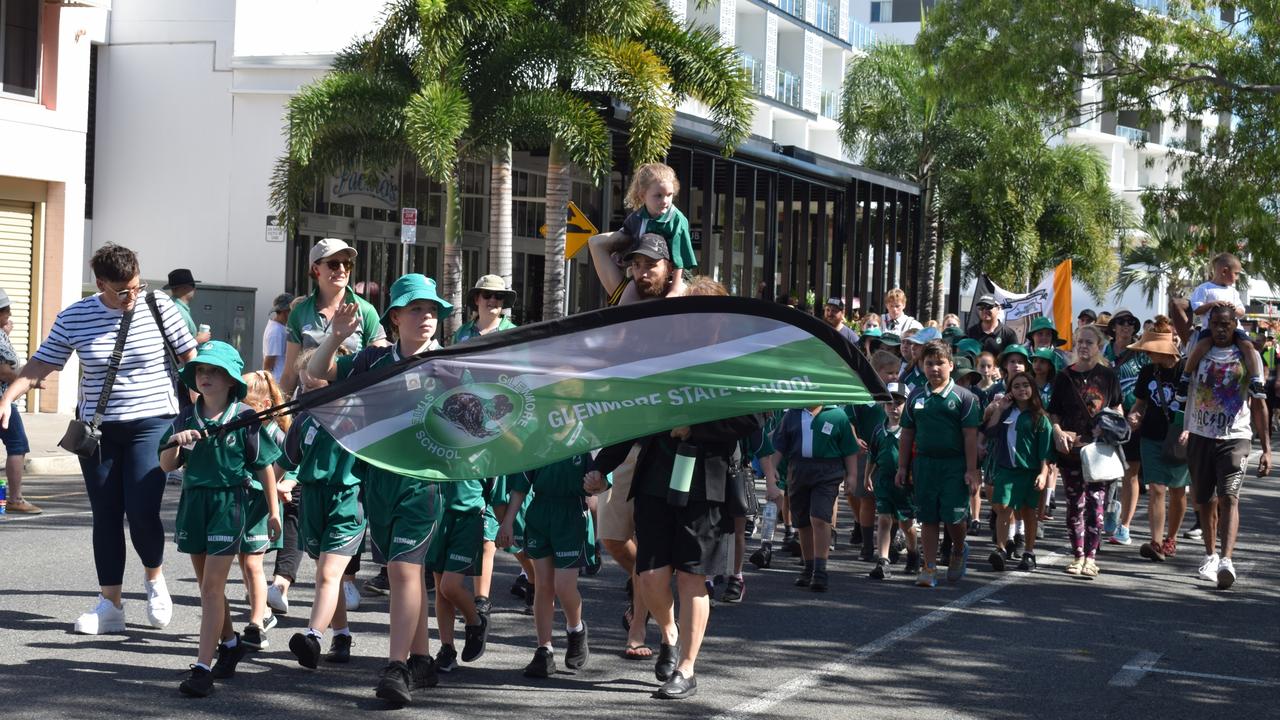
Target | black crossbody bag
(82,438)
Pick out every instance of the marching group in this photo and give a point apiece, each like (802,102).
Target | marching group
(970,409)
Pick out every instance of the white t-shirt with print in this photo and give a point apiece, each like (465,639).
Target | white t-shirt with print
(1218,401)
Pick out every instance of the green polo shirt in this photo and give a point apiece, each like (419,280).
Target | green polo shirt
(561,479)
(307,327)
(1033,441)
(185,311)
(883,448)
(866,419)
(827,434)
(939,419)
(462,495)
(222,461)
(673,226)
(316,456)
(914,378)
(468,331)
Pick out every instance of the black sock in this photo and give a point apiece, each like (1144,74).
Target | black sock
(819,565)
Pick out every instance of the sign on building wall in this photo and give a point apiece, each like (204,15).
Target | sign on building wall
(275,231)
(381,187)
(409,226)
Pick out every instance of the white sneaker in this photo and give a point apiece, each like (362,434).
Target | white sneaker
(105,618)
(1226,573)
(276,599)
(1209,568)
(351,594)
(159,604)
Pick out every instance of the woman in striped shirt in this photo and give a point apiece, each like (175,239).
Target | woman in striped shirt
(123,479)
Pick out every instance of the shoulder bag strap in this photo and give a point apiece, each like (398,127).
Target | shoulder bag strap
(170,356)
(113,366)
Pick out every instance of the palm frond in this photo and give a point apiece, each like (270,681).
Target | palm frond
(540,118)
(436,118)
(640,79)
(342,103)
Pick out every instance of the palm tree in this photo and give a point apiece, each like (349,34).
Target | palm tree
(1172,259)
(635,51)
(500,234)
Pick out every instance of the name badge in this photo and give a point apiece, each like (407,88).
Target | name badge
(311,436)
(827,428)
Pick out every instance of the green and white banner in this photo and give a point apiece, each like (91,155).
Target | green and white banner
(537,394)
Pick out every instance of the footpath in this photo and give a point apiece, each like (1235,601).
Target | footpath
(44,430)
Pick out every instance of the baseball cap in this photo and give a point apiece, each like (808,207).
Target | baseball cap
(987,300)
(328,247)
(650,245)
(1087,313)
(836,301)
(923,336)
(898,391)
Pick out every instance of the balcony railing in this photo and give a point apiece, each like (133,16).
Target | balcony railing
(1133,135)
(755,67)
(790,89)
(794,8)
(861,36)
(1158,6)
(830,103)
(827,16)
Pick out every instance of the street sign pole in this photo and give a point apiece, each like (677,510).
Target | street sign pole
(408,236)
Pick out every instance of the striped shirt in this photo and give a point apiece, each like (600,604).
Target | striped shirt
(143,386)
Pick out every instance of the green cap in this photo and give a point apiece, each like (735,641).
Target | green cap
(1051,355)
(964,368)
(1014,349)
(892,339)
(217,354)
(416,286)
(953,335)
(969,347)
(1044,323)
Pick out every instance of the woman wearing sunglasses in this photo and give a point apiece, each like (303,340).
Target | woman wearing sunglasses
(332,261)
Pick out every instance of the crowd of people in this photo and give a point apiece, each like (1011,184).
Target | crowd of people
(976,415)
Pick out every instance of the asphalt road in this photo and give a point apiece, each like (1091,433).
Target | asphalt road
(1141,641)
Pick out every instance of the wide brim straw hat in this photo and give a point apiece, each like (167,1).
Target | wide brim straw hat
(492,283)
(1165,343)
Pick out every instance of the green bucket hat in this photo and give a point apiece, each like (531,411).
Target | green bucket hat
(1014,349)
(1044,323)
(873,332)
(1051,355)
(953,335)
(964,368)
(969,347)
(416,286)
(891,339)
(221,355)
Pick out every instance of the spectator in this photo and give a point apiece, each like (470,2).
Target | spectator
(275,339)
(895,319)
(990,331)
(1086,317)
(14,436)
(182,290)
(833,314)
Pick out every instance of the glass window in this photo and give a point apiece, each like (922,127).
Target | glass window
(20,46)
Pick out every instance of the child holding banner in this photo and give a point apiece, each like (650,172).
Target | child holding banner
(402,511)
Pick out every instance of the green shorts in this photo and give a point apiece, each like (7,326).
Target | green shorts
(1156,471)
(256,538)
(458,543)
(941,496)
(893,500)
(560,528)
(1016,488)
(518,525)
(330,520)
(491,524)
(402,515)
(210,521)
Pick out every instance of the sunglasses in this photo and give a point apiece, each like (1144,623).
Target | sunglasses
(127,293)
(336,265)
(490,295)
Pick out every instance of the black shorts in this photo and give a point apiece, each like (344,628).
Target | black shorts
(683,538)
(811,498)
(1216,466)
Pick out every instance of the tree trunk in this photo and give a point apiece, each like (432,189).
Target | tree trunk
(451,285)
(553,288)
(500,214)
(928,266)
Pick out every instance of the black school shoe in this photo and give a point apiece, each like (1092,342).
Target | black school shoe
(224,665)
(913,563)
(575,657)
(806,578)
(678,687)
(997,560)
(666,662)
(422,672)
(477,637)
(762,557)
(446,658)
(1028,563)
(339,649)
(254,637)
(734,590)
(881,570)
(380,584)
(819,583)
(483,605)
(1014,548)
(520,586)
(199,683)
(543,664)
(306,648)
(393,684)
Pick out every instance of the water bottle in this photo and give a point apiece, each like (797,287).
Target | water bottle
(4,491)
(682,475)
(770,521)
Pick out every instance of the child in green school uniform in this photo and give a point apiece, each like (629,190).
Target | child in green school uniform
(456,552)
(821,451)
(893,502)
(559,537)
(210,525)
(1024,441)
(939,442)
(402,511)
(331,525)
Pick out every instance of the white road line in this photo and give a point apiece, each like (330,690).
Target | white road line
(1133,670)
(844,665)
(9,517)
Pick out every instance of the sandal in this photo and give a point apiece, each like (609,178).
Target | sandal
(628,616)
(638,651)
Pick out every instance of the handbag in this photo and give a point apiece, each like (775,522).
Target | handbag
(82,438)
(1101,462)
